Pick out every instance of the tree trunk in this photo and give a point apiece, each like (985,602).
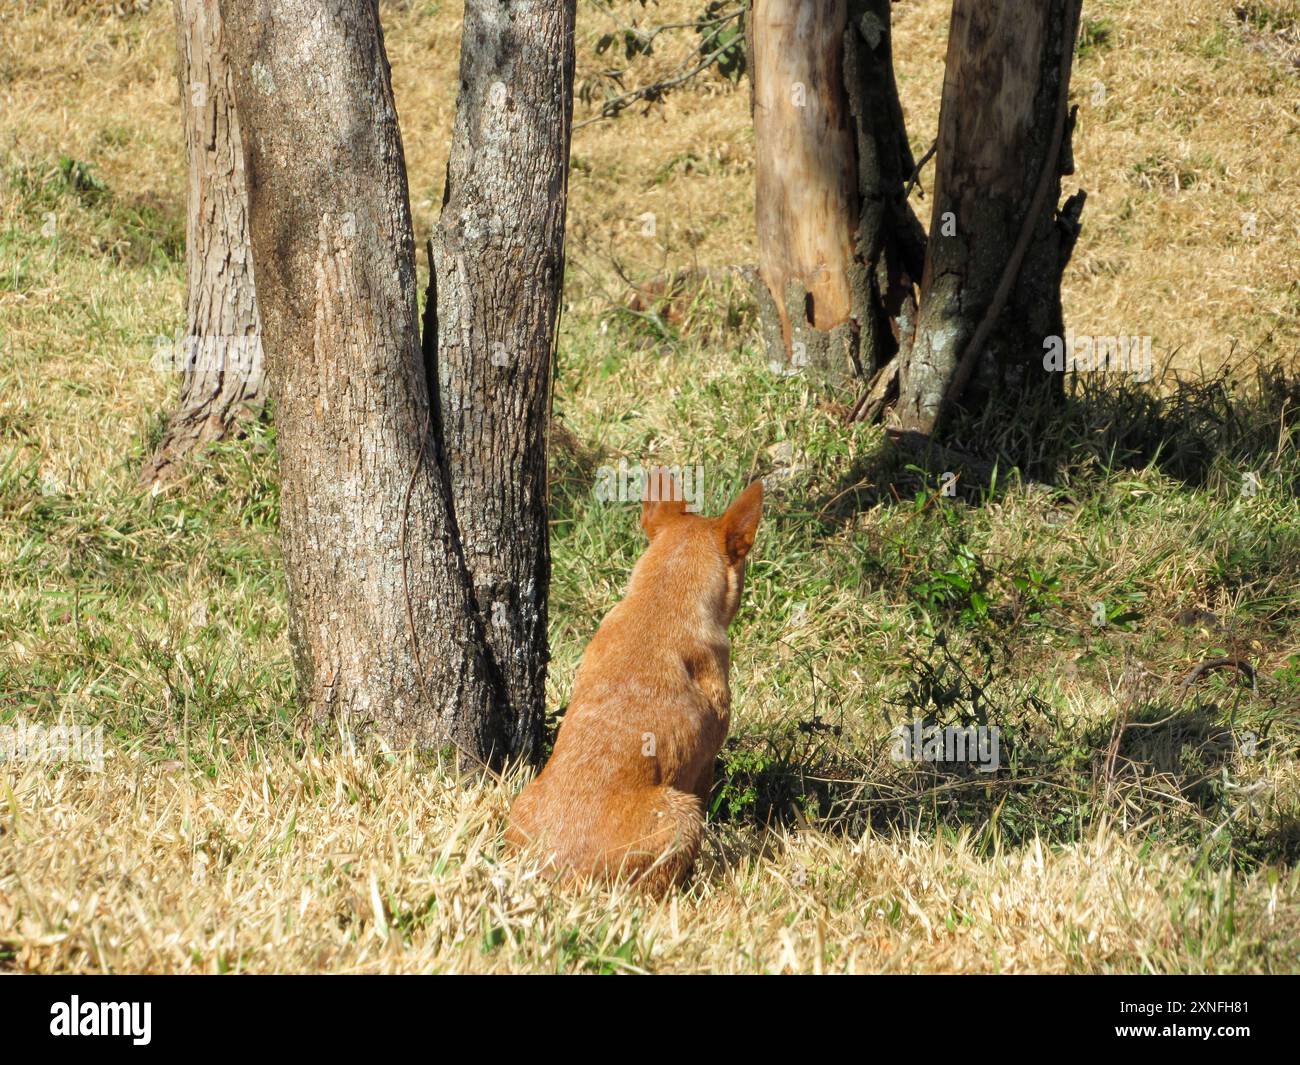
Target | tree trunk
(838,246)
(220,357)
(998,246)
(806,192)
(382,613)
(498,266)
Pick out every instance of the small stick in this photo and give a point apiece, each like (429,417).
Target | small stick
(916,170)
(865,408)
(1210,665)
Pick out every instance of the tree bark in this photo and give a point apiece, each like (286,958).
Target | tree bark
(220,357)
(806,194)
(998,245)
(890,242)
(838,245)
(498,266)
(383,620)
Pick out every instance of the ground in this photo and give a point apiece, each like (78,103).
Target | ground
(1140,819)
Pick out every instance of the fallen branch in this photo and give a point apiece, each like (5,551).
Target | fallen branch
(1209,666)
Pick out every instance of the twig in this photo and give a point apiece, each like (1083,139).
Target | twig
(1209,665)
(916,170)
(651,93)
(966,364)
(650,35)
(874,397)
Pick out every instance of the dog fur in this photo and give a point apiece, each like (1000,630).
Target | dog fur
(625,790)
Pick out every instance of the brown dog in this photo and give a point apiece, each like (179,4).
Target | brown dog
(626,786)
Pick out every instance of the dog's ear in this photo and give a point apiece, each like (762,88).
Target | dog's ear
(740,522)
(662,500)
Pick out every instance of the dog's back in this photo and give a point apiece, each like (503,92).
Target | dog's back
(625,789)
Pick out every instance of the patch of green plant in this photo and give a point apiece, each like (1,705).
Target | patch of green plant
(1095,35)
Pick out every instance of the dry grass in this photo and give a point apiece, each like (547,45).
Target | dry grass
(353,865)
(217,839)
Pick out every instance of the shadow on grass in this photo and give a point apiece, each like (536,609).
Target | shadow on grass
(573,469)
(1210,433)
(1165,769)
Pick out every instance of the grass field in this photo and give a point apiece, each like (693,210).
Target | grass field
(1137,823)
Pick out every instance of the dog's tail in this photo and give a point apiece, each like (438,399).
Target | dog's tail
(658,838)
(650,836)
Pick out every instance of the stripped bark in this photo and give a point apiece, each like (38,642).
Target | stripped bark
(383,622)
(838,245)
(806,195)
(498,265)
(220,357)
(998,245)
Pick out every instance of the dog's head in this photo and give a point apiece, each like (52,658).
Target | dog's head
(700,558)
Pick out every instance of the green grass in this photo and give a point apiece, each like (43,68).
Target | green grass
(1276,17)
(1094,36)
(873,595)
(1128,536)
(1142,508)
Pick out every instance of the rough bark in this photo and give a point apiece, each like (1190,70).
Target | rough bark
(890,242)
(382,616)
(838,245)
(998,245)
(498,266)
(220,356)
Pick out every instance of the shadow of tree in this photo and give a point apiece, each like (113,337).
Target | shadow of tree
(1214,432)
(1163,768)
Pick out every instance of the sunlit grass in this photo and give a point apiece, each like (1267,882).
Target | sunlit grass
(1135,823)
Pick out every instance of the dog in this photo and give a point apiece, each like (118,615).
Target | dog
(626,788)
